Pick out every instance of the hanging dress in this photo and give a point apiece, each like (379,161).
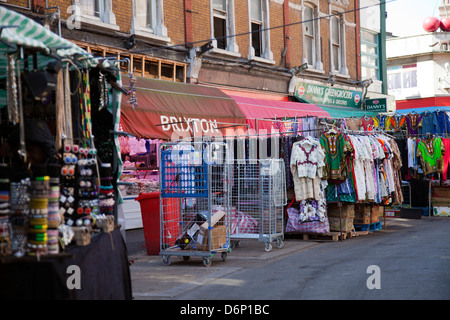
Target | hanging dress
(430,152)
(336,149)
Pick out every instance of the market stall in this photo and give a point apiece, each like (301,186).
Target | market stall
(58,191)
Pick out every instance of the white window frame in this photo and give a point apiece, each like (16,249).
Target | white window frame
(342,69)
(106,18)
(266,54)
(158,31)
(232,47)
(403,91)
(376,56)
(317,64)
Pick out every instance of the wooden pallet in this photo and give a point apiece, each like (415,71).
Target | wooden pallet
(329,236)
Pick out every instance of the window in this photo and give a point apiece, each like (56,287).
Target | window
(220,9)
(369,55)
(256,26)
(145,11)
(96,12)
(148,20)
(336,42)
(308,29)
(222,27)
(259,35)
(402,80)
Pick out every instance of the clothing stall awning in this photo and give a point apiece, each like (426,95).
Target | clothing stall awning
(21,31)
(165,108)
(18,31)
(423,104)
(346,112)
(261,112)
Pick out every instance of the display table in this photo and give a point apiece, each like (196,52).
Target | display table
(104,272)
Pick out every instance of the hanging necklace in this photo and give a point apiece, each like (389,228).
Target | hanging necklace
(11,89)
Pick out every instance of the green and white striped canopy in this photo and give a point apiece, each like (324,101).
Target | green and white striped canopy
(18,30)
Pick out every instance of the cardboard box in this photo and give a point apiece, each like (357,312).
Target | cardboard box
(377,212)
(347,210)
(362,217)
(362,214)
(218,238)
(346,224)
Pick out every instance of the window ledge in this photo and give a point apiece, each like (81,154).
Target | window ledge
(223,52)
(315,70)
(262,60)
(97,23)
(344,76)
(147,34)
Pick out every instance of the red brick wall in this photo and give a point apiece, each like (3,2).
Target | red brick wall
(199,30)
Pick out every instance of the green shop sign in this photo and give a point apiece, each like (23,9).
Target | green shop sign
(331,96)
(376,105)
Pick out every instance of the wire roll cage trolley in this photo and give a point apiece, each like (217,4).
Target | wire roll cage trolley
(194,201)
(258,199)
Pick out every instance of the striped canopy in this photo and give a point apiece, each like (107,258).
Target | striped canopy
(17,30)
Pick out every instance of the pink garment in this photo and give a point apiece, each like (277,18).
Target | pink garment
(124,146)
(136,146)
(446,143)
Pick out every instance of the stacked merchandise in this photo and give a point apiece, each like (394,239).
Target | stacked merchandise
(337,150)
(5,234)
(362,168)
(106,197)
(307,165)
(53,218)
(37,227)
(18,218)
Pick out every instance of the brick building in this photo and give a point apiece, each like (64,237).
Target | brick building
(255,45)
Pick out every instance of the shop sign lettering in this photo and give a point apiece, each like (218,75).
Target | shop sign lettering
(184,124)
(317,94)
(377,105)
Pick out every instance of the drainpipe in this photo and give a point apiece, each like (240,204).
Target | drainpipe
(287,43)
(58,13)
(382,48)
(358,40)
(188,23)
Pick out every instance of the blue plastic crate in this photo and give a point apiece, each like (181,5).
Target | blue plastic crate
(368,227)
(180,178)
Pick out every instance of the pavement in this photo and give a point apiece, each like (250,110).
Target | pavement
(153,280)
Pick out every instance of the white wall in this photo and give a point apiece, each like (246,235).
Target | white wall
(425,51)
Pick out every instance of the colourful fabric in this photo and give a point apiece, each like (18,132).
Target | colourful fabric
(413,122)
(431,154)
(336,148)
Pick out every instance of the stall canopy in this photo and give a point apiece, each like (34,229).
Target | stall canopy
(259,112)
(423,104)
(18,31)
(346,112)
(165,108)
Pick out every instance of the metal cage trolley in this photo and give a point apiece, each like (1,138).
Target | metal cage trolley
(258,201)
(194,201)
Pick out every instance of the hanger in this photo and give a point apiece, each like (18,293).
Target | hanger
(333,129)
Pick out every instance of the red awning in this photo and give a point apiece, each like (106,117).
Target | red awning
(418,103)
(259,109)
(165,107)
